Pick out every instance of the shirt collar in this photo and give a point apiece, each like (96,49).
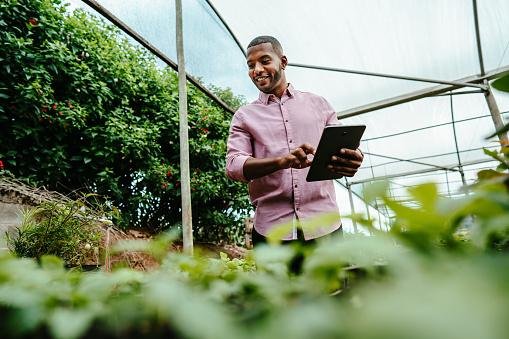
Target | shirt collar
(265,98)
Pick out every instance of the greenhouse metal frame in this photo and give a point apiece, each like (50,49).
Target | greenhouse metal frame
(231,17)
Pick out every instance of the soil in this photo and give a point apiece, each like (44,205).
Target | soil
(142,261)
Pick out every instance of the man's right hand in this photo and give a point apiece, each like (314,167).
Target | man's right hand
(298,158)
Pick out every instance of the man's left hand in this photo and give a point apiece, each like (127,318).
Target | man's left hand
(346,162)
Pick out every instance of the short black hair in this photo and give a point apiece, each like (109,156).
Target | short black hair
(276,46)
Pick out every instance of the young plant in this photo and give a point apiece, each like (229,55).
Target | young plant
(68,230)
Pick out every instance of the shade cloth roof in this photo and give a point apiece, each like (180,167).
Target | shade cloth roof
(428,139)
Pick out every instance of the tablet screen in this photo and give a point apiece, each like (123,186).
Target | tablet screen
(334,138)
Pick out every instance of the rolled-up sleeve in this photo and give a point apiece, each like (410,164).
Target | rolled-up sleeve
(239,149)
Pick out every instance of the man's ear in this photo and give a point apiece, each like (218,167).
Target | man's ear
(284,61)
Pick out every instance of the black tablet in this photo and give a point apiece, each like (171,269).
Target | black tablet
(334,137)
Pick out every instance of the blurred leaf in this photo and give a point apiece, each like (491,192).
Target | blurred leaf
(69,324)
(489,174)
(375,190)
(51,262)
(310,225)
(502,84)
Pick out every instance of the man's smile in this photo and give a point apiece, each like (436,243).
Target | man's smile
(261,78)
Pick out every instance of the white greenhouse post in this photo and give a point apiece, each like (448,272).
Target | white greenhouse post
(187,220)
(352,208)
(367,210)
(495,114)
(490,98)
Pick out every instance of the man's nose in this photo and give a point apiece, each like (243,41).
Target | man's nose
(258,67)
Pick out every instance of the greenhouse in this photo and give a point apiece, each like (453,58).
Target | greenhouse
(414,72)
(92,110)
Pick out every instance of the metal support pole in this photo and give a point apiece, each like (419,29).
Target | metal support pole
(458,84)
(185,178)
(367,211)
(490,98)
(352,208)
(422,93)
(447,182)
(495,114)
(460,167)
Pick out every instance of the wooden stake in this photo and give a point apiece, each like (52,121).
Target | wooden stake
(187,221)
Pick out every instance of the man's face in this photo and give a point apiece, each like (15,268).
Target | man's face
(265,68)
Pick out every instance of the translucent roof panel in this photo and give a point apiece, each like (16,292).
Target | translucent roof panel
(408,143)
(210,53)
(493,22)
(433,39)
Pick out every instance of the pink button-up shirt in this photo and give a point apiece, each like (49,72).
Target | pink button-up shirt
(270,127)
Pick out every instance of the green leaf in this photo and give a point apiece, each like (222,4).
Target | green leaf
(51,262)
(489,174)
(425,194)
(375,190)
(502,84)
(70,324)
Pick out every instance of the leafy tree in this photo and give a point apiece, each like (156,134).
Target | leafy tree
(81,109)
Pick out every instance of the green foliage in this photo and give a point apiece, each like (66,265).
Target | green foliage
(68,230)
(502,83)
(441,272)
(81,109)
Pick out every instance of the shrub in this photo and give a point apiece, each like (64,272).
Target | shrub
(64,229)
(82,110)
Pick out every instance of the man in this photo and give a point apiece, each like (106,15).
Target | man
(270,144)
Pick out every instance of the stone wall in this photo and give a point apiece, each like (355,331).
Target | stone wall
(10,217)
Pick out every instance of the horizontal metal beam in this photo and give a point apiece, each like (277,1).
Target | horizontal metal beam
(426,92)
(142,41)
(435,155)
(459,93)
(391,76)
(405,174)
(428,127)
(411,161)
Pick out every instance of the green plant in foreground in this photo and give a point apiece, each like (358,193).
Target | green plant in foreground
(418,281)
(69,230)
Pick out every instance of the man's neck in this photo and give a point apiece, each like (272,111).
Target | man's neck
(280,91)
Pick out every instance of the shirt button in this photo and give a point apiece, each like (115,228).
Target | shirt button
(297,208)
(295,186)
(290,141)
(286,120)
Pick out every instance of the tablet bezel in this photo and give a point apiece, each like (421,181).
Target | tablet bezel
(334,137)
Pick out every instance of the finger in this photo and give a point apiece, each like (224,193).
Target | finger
(351,154)
(339,161)
(307,148)
(344,171)
(300,154)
